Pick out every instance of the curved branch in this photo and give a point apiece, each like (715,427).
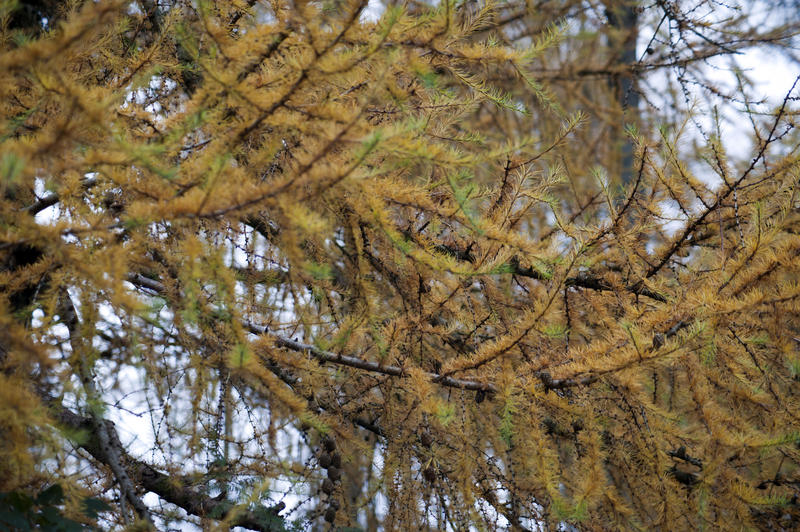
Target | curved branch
(168,487)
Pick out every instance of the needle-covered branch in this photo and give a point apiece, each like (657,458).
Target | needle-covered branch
(327,356)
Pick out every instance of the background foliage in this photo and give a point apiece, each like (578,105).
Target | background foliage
(454,266)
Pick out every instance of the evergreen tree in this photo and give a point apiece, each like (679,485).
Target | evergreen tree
(447,266)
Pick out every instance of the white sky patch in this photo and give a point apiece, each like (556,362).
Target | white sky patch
(673,220)
(769,76)
(373,12)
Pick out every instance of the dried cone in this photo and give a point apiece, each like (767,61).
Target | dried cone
(334,473)
(325,460)
(336,460)
(426,439)
(329,444)
(327,486)
(429,473)
(330,515)
(480,395)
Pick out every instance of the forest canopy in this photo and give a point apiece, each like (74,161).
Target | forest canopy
(459,265)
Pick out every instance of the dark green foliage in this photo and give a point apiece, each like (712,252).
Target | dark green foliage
(20,511)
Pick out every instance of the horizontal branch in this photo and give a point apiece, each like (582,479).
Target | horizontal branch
(328,356)
(583,280)
(317,403)
(368,365)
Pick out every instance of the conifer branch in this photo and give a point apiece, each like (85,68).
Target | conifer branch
(730,188)
(169,487)
(53,198)
(581,280)
(327,356)
(239,181)
(367,365)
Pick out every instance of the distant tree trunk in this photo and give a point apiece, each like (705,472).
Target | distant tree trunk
(623,18)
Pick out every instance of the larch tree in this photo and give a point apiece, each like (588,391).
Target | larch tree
(451,266)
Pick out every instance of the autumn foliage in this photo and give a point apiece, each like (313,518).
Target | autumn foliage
(284,264)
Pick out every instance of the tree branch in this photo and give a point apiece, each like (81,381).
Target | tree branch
(168,487)
(368,365)
(52,199)
(327,356)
